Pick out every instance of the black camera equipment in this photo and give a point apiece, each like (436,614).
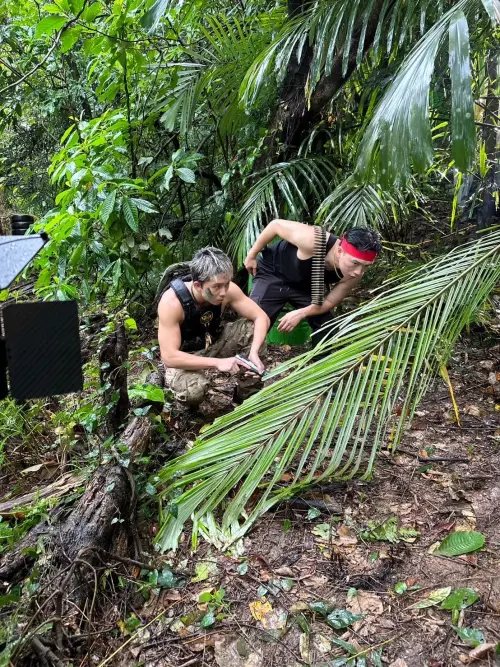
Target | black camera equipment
(39,342)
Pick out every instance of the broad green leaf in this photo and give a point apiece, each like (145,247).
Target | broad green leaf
(130,213)
(168,579)
(463,132)
(205,597)
(204,570)
(186,175)
(460,542)
(76,6)
(168,177)
(108,206)
(50,24)
(143,205)
(51,9)
(79,176)
(91,12)
(400,588)
(352,650)
(434,598)
(303,623)
(148,392)
(77,254)
(460,598)
(242,568)
(69,38)
(342,618)
(94,45)
(208,620)
(313,513)
(323,530)
(130,324)
(320,608)
(66,134)
(470,636)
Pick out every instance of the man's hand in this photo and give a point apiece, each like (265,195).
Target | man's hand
(290,321)
(251,264)
(228,365)
(255,359)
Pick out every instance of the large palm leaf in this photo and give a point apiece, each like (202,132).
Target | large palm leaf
(328,417)
(297,183)
(208,84)
(354,204)
(336,28)
(399,135)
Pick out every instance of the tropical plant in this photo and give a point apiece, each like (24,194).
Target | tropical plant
(337,405)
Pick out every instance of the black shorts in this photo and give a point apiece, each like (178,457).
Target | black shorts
(271,293)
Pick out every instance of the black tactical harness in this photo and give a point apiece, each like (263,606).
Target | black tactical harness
(202,324)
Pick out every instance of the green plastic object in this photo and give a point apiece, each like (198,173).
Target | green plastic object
(299,336)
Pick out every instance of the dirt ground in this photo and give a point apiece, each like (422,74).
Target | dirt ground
(443,478)
(256,599)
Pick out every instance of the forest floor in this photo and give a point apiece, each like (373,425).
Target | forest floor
(368,551)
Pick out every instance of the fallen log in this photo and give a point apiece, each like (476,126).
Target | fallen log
(12,508)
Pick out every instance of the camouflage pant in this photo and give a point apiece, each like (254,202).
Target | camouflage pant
(191,387)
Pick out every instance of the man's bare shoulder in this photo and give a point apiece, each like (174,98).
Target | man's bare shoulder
(170,308)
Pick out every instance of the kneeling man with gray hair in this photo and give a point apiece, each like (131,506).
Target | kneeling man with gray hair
(190,321)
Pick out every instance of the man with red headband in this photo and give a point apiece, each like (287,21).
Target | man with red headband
(283,273)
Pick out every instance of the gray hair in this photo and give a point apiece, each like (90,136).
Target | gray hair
(208,263)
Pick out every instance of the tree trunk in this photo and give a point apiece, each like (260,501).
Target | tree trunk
(294,115)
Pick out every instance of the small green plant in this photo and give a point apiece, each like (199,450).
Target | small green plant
(389,531)
(217,608)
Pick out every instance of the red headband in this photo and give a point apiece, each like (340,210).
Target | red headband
(367,255)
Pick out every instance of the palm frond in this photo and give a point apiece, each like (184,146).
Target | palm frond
(329,416)
(399,134)
(334,29)
(354,204)
(297,182)
(228,47)
(157,11)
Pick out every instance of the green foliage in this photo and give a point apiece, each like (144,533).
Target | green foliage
(18,428)
(217,607)
(389,531)
(461,542)
(470,636)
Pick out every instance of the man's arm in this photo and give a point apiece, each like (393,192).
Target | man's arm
(297,233)
(338,294)
(251,311)
(169,339)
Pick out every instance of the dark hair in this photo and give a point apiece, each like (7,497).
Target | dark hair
(208,263)
(364,238)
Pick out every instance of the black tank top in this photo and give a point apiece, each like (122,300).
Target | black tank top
(280,259)
(199,321)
